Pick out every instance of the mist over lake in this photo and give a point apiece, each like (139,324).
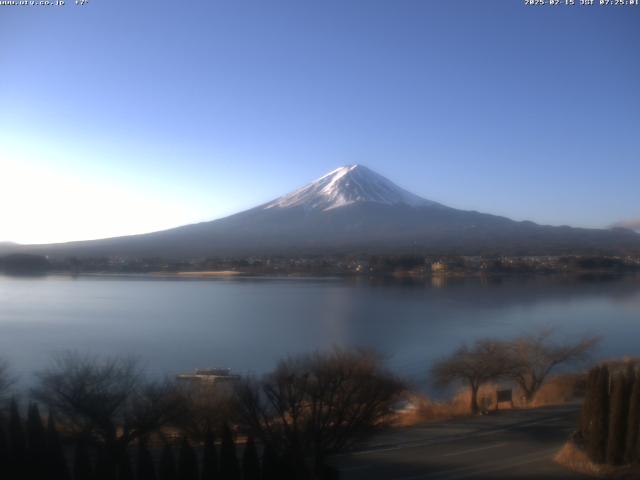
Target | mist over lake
(247,324)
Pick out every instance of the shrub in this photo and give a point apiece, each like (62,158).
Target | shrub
(314,405)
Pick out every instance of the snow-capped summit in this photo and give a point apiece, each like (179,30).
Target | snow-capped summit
(347,185)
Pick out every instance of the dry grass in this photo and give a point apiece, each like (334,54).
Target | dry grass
(423,409)
(558,390)
(561,389)
(198,274)
(574,458)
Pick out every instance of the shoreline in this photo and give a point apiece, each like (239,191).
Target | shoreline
(377,276)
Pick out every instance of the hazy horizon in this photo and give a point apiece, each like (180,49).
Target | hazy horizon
(138,117)
(632,224)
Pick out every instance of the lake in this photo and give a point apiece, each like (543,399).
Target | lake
(247,324)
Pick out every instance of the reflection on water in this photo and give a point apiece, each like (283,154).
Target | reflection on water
(248,323)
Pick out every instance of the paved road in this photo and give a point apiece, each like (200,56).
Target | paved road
(516,444)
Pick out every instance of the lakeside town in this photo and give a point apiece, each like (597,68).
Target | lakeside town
(323,265)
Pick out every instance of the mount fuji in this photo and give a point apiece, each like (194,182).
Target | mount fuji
(346,186)
(354,210)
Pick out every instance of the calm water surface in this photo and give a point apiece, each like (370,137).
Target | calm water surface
(247,324)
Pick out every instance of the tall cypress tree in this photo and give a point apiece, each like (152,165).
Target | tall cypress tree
(597,440)
(229,467)
(4,448)
(586,414)
(290,467)
(250,462)
(617,421)
(637,449)
(167,468)
(633,426)
(209,457)
(56,461)
(125,471)
(17,443)
(270,464)
(106,464)
(145,467)
(36,443)
(82,466)
(187,461)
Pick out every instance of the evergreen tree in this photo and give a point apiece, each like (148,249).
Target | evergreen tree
(125,472)
(146,468)
(36,443)
(289,467)
(328,472)
(187,461)
(270,464)
(209,457)
(56,461)
(82,467)
(597,440)
(586,414)
(633,426)
(617,421)
(229,467)
(4,448)
(167,470)
(106,464)
(17,443)
(250,462)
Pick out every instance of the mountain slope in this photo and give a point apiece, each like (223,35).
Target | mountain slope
(353,209)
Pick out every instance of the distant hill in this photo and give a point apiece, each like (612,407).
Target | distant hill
(353,209)
(24,264)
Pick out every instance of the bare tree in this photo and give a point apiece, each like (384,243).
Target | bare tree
(532,357)
(207,407)
(106,398)
(87,393)
(484,362)
(154,405)
(317,404)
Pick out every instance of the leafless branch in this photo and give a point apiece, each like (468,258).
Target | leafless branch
(320,403)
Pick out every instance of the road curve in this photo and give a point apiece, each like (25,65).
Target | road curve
(511,444)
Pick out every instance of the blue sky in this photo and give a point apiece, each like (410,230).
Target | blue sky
(123,117)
